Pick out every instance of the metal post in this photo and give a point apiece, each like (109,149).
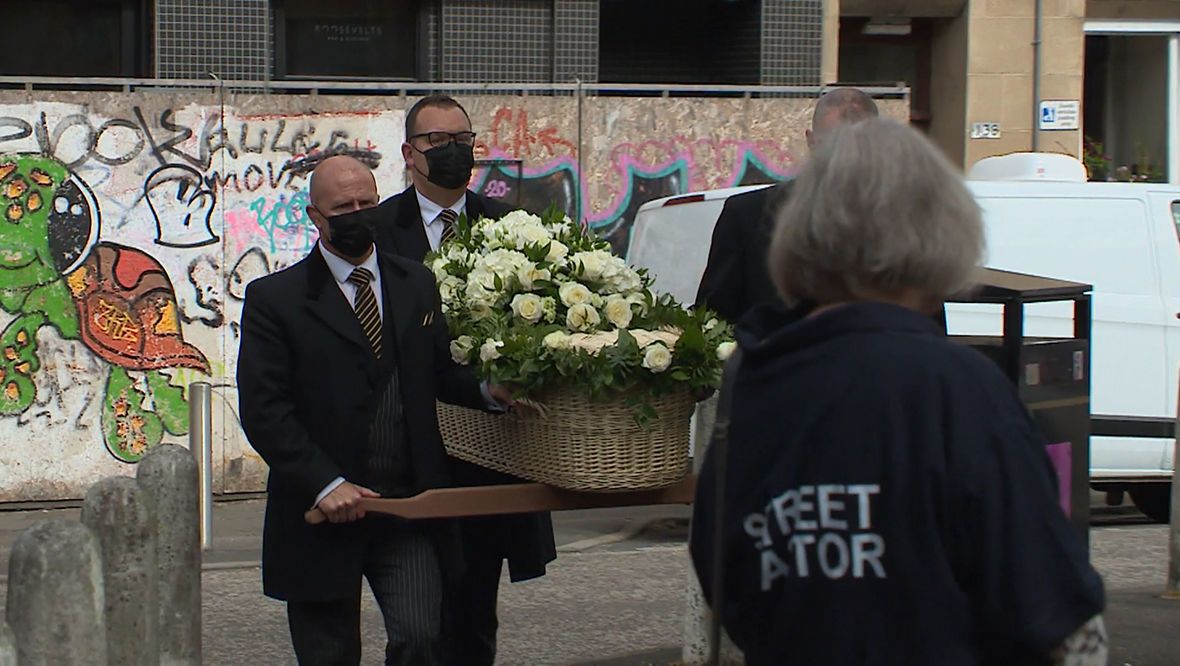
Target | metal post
(200,442)
(1038,21)
(1173,108)
(1172,590)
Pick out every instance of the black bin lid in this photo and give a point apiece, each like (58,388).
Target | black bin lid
(997,286)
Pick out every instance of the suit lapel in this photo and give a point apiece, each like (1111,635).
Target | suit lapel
(409,234)
(400,301)
(474,206)
(328,304)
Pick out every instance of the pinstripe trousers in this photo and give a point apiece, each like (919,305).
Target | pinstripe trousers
(403,571)
(401,565)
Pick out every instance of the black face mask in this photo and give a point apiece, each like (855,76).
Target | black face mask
(450,165)
(352,233)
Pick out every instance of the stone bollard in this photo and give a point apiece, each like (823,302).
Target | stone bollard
(698,617)
(55,596)
(123,518)
(7,646)
(169,476)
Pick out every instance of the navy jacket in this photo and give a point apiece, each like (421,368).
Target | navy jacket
(887,501)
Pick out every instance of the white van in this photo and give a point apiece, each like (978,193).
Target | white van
(1042,218)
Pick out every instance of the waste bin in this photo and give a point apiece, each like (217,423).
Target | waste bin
(1052,375)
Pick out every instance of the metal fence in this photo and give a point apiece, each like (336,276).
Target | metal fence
(406,89)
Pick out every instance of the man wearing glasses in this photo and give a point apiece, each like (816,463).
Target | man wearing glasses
(439,157)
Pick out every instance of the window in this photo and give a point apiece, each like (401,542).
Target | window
(680,41)
(347,39)
(75,38)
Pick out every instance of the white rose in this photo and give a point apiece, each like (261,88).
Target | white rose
(618,312)
(725,350)
(582,317)
(481,278)
(528,307)
(502,262)
(557,250)
(490,350)
(529,275)
(457,253)
(557,340)
(448,289)
(517,217)
(478,295)
(641,300)
(461,348)
(592,263)
(574,293)
(657,358)
(439,267)
(530,234)
(711,324)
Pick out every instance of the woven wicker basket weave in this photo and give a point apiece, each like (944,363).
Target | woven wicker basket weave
(576,444)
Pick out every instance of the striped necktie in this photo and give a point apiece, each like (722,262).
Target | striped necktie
(365,306)
(448,218)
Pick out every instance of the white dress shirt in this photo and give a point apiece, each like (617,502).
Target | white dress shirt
(430,212)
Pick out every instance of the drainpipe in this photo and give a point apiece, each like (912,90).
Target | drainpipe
(1036,76)
(1173,108)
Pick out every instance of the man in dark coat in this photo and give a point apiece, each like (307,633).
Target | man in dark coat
(342,359)
(736,277)
(439,157)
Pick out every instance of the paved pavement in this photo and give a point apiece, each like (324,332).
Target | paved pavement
(615,596)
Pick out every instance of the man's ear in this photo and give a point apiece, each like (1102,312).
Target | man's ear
(317,218)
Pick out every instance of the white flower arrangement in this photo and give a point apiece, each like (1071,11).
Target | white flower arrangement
(535,300)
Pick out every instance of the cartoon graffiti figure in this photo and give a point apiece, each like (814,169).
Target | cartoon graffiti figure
(181,186)
(117,300)
(204,274)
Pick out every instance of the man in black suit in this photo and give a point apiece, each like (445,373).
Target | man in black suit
(342,358)
(439,157)
(736,277)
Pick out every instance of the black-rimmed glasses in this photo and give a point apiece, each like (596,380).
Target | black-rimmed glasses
(439,139)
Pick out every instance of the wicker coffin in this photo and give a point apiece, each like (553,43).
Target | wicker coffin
(575,444)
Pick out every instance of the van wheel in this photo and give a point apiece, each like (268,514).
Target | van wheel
(1154,500)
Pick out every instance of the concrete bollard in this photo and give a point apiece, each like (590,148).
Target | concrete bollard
(168,474)
(55,596)
(123,518)
(7,646)
(698,617)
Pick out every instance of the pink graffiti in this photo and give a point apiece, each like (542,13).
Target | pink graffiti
(729,158)
(724,158)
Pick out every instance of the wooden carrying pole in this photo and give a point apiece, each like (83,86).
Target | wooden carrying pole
(515,498)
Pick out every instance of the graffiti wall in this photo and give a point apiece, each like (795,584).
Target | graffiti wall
(130,225)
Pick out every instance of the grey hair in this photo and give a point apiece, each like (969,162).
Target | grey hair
(876,212)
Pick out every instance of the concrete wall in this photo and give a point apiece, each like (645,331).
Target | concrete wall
(999,72)
(134,222)
(1132,9)
(948,83)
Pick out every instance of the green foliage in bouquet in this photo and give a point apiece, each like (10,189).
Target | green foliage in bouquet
(538,301)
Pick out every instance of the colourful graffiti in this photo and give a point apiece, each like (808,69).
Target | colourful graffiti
(639,173)
(130,226)
(118,302)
